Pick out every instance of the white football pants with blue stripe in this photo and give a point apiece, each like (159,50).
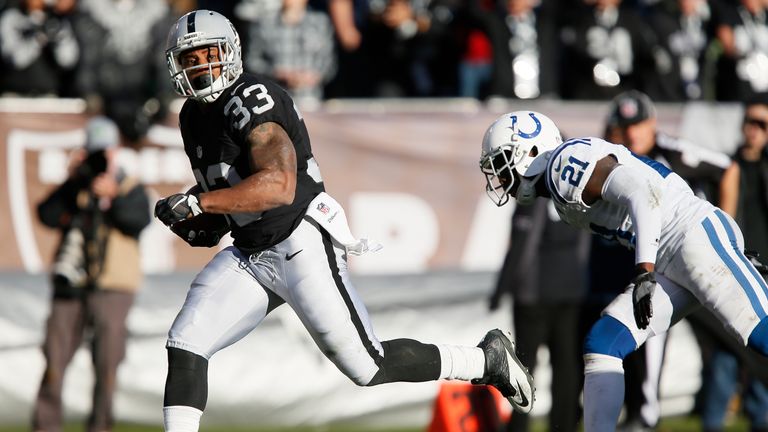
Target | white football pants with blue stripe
(708,270)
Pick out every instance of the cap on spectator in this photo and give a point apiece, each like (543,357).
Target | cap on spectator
(101,133)
(757,99)
(631,107)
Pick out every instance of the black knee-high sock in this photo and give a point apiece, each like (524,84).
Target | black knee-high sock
(407,360)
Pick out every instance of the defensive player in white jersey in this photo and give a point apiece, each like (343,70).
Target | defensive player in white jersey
(688,253)
(250,152)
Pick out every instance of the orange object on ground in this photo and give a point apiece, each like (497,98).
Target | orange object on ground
(463,407)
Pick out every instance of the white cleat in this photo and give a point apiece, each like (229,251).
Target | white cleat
(504,371)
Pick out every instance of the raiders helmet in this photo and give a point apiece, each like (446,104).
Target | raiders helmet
(516,148)
(204,28)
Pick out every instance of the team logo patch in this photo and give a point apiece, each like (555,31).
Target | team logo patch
(526,135)
(628,108)
(322,208)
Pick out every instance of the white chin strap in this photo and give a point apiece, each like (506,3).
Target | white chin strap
(526,193)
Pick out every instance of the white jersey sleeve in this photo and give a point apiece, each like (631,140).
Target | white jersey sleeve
(642,195)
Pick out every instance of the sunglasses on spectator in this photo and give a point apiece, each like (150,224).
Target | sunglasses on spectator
(762,124)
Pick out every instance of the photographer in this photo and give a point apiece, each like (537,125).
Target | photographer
(100,212)
(38,47)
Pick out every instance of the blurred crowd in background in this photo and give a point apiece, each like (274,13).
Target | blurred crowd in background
(110,52)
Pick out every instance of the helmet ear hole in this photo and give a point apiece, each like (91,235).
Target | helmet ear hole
(534,151)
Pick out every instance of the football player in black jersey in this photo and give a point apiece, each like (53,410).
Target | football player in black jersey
(251,156)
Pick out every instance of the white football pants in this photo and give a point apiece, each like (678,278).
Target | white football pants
(308,270)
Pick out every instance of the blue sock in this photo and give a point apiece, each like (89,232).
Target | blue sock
(758,339)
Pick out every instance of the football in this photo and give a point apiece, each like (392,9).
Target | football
(203,230)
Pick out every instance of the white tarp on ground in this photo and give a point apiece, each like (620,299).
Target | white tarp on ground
(276,376)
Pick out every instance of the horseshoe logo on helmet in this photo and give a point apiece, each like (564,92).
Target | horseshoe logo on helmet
(529,135)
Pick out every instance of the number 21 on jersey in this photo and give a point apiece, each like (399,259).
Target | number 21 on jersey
(574,171)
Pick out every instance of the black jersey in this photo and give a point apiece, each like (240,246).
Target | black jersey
(215,140)
(700,167)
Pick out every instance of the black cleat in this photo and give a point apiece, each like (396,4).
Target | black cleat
(504,371)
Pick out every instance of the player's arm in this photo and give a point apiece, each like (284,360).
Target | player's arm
(617,183)
(729,189)
(621,184)
(273,184)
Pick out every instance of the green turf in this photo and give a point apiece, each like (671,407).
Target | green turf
(155,428)
(670,424)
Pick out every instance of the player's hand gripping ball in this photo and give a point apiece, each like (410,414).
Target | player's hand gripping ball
(204,230)
(177,207)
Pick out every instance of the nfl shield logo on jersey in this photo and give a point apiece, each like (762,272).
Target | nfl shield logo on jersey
(324,209)
(199,151)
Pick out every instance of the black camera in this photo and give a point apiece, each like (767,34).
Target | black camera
(93,165)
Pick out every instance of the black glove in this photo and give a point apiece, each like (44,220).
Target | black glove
(643,286)
(177,207)
(204,230)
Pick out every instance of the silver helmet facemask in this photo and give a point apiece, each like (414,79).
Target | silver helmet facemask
(497,166)
(500,166)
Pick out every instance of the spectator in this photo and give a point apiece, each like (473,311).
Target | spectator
(180,7)
(522,34)
(38,47)
(712,175)
(350,18)
(546,303)
(721,372)
(224,7)
(120,73)
(437,56)
(743,66)
(100,212)
(753,161)
(394,35)
(295,47)
(684,29)
(246,13)
(607,50)
(476,65)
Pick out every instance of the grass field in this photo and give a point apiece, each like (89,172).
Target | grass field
(672,424)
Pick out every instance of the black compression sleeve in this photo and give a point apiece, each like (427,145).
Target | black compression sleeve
(187,381)
(408,360)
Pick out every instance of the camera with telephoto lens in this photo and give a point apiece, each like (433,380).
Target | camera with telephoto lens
(69,273)
(93,165)
(52,24)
